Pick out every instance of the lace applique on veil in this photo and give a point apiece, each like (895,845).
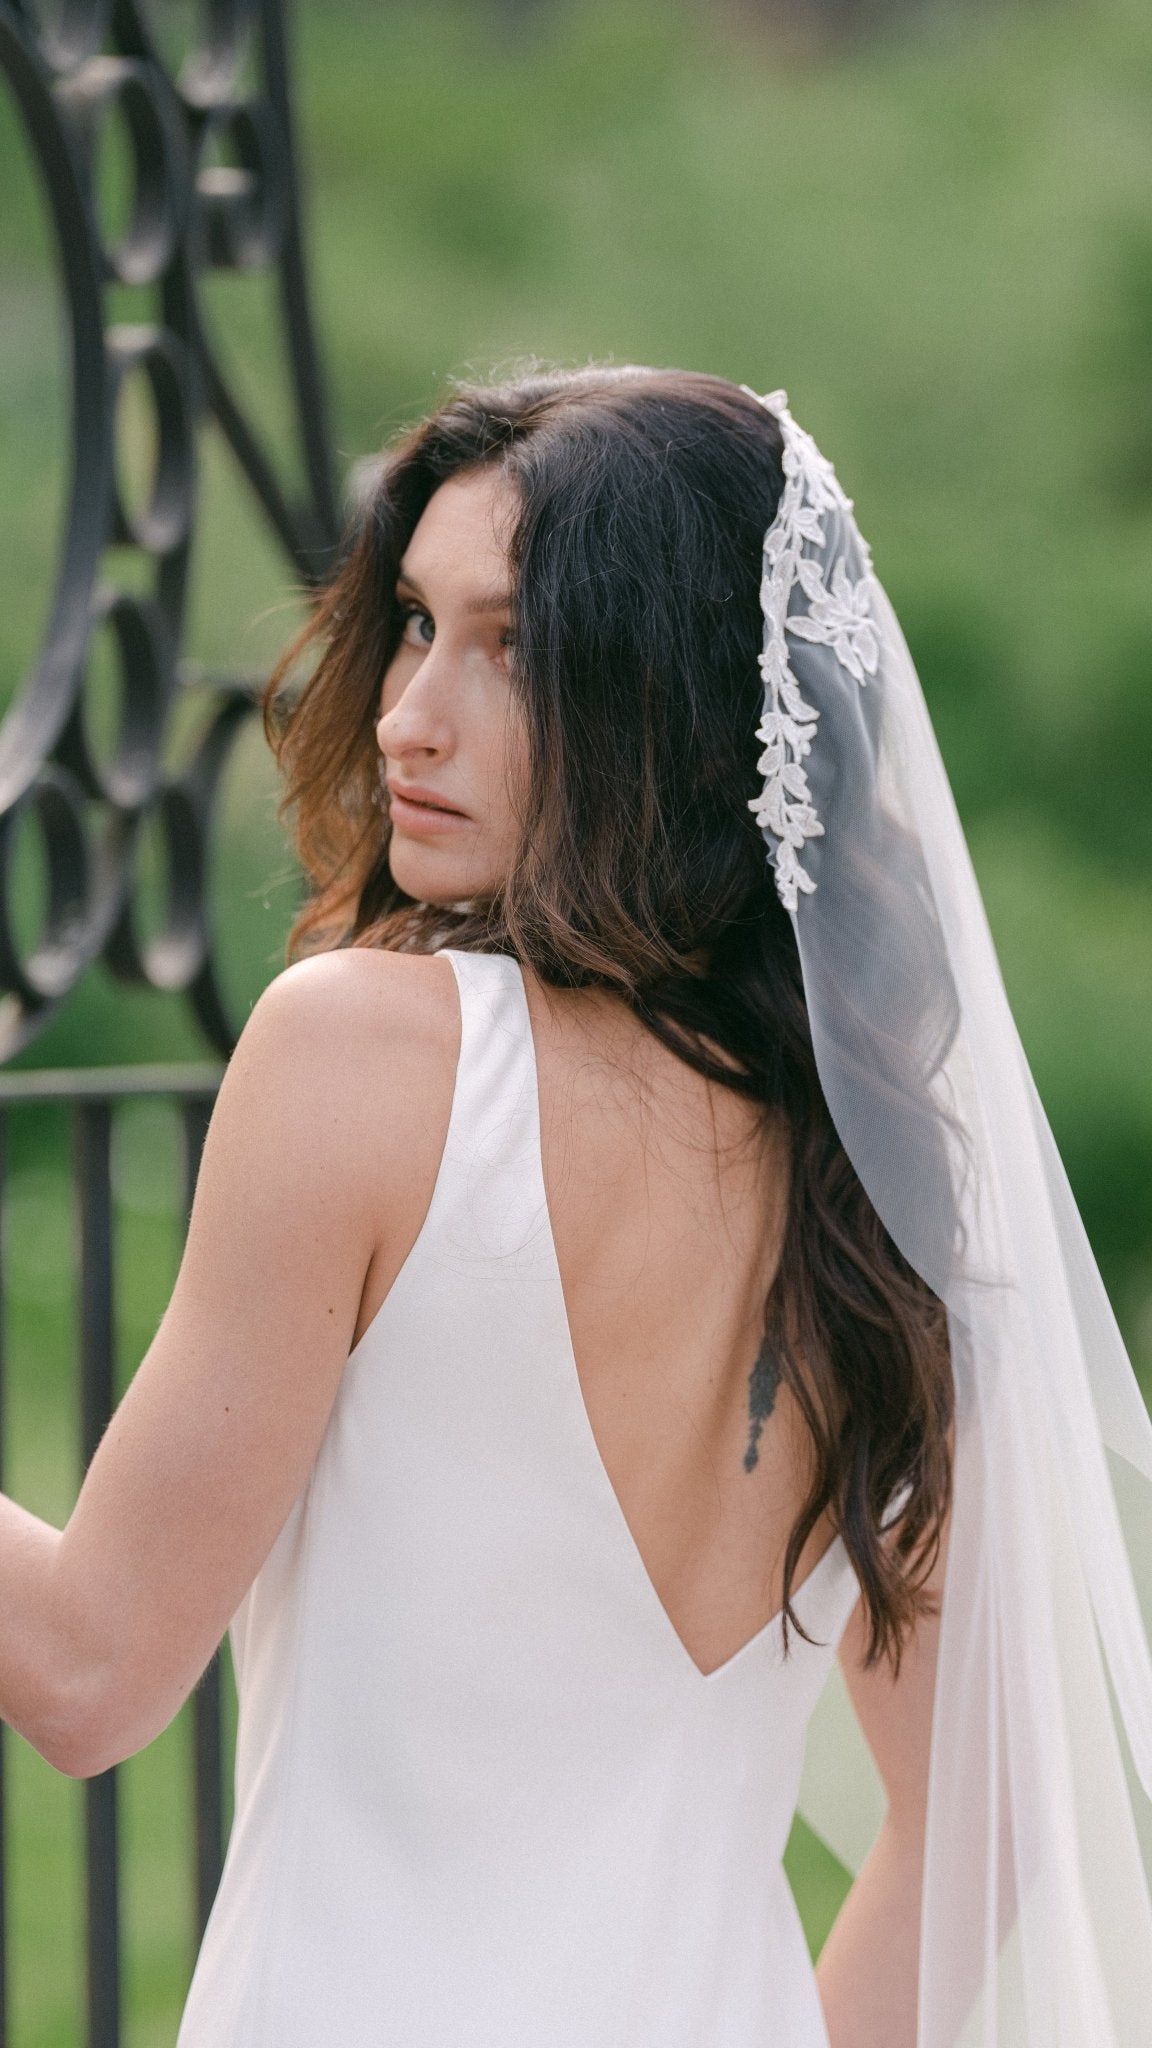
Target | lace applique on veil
(837,616)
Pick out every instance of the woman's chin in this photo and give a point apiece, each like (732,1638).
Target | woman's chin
(426,879)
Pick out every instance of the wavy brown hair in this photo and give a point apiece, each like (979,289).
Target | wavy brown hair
(643,500)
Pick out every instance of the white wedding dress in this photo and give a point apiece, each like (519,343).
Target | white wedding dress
(485,1798)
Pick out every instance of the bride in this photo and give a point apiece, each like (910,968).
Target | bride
(630,1267)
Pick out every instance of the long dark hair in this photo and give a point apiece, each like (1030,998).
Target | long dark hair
(644,496)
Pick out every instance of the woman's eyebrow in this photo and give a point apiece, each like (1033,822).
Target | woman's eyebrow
(490,601)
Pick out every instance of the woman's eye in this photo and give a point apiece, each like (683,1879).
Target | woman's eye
(418,629)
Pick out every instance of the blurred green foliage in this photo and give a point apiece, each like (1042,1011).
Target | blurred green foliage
(939,240)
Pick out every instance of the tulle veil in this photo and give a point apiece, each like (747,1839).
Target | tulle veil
(1036,1923)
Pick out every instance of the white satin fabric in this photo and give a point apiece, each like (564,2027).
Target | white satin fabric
(485,1798)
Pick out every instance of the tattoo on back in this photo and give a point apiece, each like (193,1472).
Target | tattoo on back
(763,1382)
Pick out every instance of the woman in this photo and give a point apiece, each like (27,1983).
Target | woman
(605,1299)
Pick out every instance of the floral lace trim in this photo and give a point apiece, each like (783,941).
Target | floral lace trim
(839,617)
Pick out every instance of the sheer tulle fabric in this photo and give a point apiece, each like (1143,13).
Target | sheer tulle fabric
(1036,1919)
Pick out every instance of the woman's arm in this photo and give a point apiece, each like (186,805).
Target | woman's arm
(869,1968)
(322,1145)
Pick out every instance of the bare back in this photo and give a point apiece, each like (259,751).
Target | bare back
(668,1201)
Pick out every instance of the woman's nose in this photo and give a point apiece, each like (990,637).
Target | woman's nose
(416,722)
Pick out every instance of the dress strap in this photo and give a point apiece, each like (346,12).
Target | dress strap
(491,1179)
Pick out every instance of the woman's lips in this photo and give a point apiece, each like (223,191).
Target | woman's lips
(421,813)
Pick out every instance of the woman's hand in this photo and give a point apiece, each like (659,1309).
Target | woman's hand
(318,1165)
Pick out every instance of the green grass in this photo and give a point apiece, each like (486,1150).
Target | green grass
(940,240)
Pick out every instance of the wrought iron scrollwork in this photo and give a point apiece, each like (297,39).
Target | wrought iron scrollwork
(213,185)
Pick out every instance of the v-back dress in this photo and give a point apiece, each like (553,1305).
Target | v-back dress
(484,1796)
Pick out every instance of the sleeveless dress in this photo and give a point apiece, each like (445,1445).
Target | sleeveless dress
(484,1796)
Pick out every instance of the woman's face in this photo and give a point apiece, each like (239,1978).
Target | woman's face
(451,729)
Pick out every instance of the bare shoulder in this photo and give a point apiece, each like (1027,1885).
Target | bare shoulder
(351,1004)
(349,1057)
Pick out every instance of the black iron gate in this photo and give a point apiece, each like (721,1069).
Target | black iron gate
(212,179)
